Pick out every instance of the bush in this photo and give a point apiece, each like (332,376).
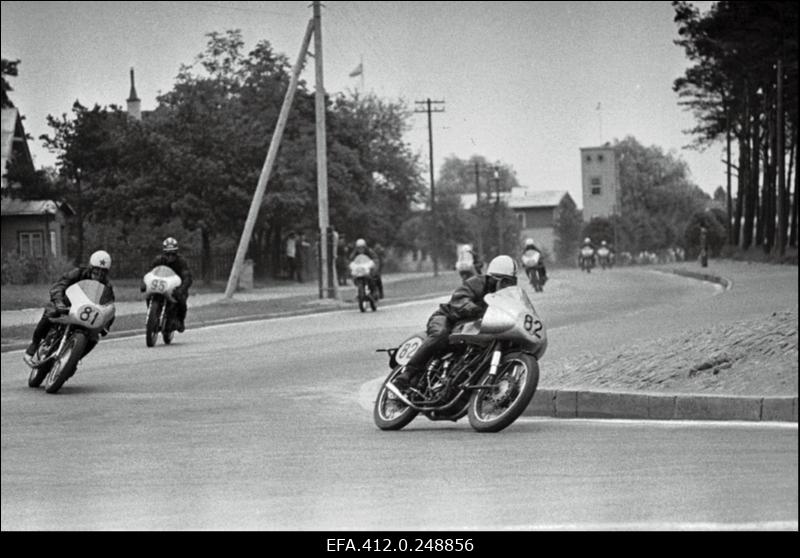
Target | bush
(25,270)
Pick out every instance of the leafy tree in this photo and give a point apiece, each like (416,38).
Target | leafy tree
(567,227)
(9,68)
(476,173)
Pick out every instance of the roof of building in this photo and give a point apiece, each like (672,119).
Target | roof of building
(523,198)
(12,206)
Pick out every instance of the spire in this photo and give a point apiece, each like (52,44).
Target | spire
(133,96)
(134,103)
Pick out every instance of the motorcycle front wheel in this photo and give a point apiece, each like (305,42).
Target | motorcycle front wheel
(65,365)
(506,395)
(168,329)
(390,413)
(153,317)
(361,296)
(39,373)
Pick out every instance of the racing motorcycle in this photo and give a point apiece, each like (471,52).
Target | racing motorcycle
(361,270)
(604,257)
(160,284)
(532,261)
(91,310)
(586,259)
(489,370)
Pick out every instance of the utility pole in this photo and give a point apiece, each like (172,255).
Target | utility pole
(427,108)
(255,204)
(478,210)
(327,288)
(497,210)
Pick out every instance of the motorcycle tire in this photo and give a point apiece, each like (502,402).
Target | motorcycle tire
(39,373)
(493,409)
(153,317)
(389,412)
(64,366)
(373,301)
(170,325)
(361,296)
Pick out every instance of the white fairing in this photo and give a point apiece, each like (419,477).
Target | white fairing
(161,280)
(510,315)
(88,308)
(587,251)
(602,252)
(530,258)
(361,266)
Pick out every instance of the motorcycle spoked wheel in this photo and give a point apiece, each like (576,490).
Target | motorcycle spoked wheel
(389,412)
(39,373)
(373,299)
(64,366)
(168,329)
(153,318)
(361,296)
(495,408)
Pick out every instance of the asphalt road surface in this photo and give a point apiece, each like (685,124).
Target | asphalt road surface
(268,426)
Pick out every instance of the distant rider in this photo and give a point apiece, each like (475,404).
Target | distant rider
(530,246)
(172,259)
(99,264)
(466,303)
(362,248)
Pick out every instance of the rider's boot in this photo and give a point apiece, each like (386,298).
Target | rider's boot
(406,379)
(28,354)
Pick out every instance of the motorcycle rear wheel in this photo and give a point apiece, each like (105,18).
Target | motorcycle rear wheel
(389,412)
(361,296)
(65,365)
(495,408)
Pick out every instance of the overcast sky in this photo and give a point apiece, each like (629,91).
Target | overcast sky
(521,81)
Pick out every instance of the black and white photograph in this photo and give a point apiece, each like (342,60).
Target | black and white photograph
(418,276)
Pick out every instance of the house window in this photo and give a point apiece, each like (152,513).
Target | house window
(596,191)
(595,181)
(31,245)
(588,158)
(600,158)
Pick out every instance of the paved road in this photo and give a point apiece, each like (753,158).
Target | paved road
(267,426)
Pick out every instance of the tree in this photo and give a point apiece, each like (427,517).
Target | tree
(9,68)
(656,197)
(568,223)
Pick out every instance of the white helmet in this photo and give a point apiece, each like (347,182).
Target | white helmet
(587,240)
(603,243)
(529,242)
(361,243)
(502,267)
(100,259)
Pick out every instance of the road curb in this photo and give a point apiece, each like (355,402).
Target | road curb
(726,283)
(568,403)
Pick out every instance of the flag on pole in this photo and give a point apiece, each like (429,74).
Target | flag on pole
(359,69)
(599,106)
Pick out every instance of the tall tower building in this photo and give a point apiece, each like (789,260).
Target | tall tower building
(600,176)
(134,102)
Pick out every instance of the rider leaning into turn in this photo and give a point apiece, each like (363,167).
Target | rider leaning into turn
(466,303)
(362,248)
(99,264)
(531,245)
(172,259)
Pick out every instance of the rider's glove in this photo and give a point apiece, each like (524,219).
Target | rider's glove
(142,288)
(61,307)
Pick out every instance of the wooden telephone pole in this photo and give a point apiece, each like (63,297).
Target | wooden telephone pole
(425,106)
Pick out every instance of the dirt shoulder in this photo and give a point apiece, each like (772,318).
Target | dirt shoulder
(742,341)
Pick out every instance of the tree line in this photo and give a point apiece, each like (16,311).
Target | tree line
(742,89)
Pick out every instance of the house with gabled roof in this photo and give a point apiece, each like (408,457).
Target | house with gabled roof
(32,228)
(535,210)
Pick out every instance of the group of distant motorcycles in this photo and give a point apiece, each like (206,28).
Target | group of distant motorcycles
(588,258)
(90,312)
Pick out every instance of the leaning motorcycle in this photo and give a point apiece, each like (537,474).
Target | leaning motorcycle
(489,370)
(361,270)
(586,259)
(160,284)
(532,261)
(91,310)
